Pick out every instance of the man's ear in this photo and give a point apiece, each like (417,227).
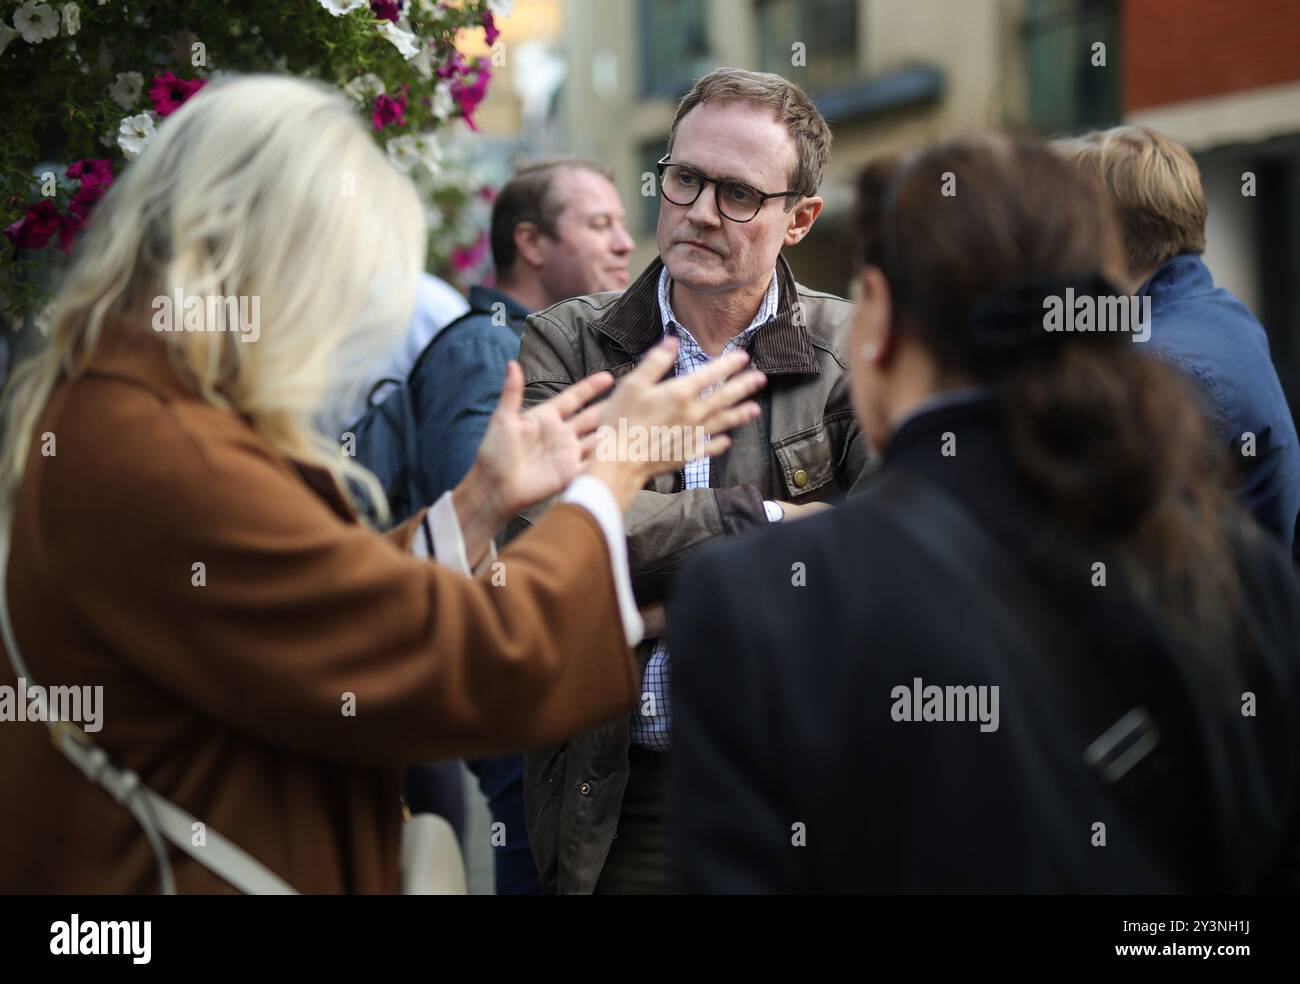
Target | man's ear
(529,244)
(801,219)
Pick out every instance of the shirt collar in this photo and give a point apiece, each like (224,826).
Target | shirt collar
(765,313)
(942,400)
(482,298)
(634,323)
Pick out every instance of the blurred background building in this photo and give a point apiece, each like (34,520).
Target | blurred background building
(602,77)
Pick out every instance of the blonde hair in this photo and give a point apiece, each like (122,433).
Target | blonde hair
(1154,187)
(259,187)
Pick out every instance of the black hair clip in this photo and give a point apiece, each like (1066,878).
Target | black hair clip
(1016,317)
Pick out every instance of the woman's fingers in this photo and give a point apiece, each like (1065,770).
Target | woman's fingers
(573,398)
(713,447)
(512,390)
(655,363)
(729,417)
(586,421)
(712,373)
(732,391)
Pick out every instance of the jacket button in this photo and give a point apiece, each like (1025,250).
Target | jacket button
(800,478)
(585,789)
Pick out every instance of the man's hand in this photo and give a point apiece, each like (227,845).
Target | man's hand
(655,618)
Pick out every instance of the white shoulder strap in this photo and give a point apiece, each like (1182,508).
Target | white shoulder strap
(155,814)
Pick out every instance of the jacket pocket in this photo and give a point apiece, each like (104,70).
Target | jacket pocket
(544,772)
(807,461)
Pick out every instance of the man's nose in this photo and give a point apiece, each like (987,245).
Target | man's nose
(623,242)
(704,210)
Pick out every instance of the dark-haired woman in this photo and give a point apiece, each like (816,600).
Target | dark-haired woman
(1041,652)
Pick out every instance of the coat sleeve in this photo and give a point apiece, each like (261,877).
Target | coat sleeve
(205,565)
(662,528)
(731,831)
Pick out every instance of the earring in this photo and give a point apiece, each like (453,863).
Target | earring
(869,351)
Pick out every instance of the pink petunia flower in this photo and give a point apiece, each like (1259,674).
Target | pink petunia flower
(490,32)
(85,200)
(40,221)
(455,65)
(68,232)
(389,111)
(468,94)
(468,258)
(92,173)
(170,93)
(389,10)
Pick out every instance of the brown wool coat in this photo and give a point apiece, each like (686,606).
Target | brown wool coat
(228,697)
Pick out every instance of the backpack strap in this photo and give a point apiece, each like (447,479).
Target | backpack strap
(158,816)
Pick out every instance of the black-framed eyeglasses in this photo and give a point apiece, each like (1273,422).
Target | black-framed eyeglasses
(736,200)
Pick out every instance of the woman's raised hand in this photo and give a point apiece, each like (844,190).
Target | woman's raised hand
(648,426)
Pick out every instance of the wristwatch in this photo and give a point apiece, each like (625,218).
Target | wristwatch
(775,511)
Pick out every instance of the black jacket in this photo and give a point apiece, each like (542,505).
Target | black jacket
(791,773)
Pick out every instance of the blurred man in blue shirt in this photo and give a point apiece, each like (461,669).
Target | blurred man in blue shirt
(557,232)
(1156,191)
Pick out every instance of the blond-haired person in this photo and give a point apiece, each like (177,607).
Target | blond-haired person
(1155,190)
(181,537)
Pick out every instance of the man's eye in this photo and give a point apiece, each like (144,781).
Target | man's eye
(686,178)
(742,195)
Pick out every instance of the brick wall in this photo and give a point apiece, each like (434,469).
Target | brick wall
(1191,49)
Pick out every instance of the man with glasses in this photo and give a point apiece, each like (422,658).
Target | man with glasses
(746,154)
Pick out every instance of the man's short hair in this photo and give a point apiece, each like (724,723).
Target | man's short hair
(1155,188)
(792,107)
(529,196)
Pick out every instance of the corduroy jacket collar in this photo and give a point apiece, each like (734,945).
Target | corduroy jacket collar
(634,323)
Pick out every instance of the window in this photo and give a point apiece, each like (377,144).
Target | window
(1066,90)
(674,46)
(828,31)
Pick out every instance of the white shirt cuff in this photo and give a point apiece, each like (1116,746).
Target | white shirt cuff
(441,532)
(595,497)
(440,537)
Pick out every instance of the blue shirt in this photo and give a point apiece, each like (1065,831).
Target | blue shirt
(1207,332)
(459,386)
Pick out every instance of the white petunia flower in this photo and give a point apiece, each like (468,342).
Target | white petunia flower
(430,155)
(365,87)
(7,34)
(71,18)
(501,8)
(126,89)
(36,21)
(404,152)
(423,62)
(403,41)
(442,104)
(135,134)
(340,7)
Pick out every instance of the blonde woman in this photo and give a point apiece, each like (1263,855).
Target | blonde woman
(181,537)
